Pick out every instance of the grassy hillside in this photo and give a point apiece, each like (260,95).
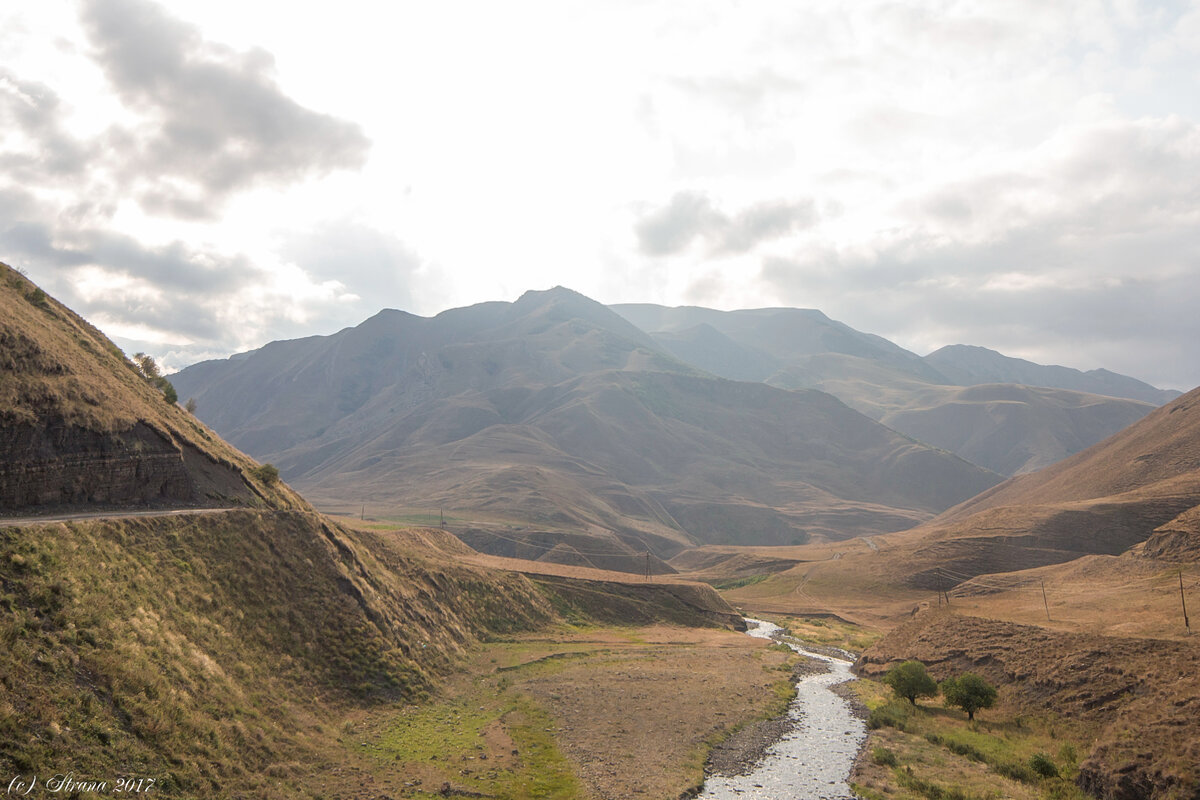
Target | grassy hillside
(216,652)
(79,426)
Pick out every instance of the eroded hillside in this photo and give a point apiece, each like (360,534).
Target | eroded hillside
(80,427)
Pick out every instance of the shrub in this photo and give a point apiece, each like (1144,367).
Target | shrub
(267,473)
(884,757)
(1015,770)
(910,681)
(889,715)
(1043,765)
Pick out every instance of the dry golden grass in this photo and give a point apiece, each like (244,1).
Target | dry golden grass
(60,372)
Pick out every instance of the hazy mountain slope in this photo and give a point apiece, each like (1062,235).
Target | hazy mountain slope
(1012,429)
(556,411)
(784,334)
(967,365)
(712,351)
(723,460)
(321,387)
(1106,499)
(79,426)
(1007,430)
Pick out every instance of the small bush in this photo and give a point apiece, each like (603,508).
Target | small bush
(884,757)
(889,715)
(1043,765)
(38,298)
(267,473)
(1015,770)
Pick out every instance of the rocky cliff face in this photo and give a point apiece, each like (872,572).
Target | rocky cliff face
(80,427)
(57,465)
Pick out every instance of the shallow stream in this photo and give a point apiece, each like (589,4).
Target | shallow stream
(814,760)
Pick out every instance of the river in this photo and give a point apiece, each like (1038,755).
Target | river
(814,760)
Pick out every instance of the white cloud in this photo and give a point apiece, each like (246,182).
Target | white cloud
(923,170)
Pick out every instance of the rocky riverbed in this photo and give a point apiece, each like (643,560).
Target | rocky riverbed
(806,756)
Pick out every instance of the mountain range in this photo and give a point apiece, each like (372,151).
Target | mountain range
(642,428)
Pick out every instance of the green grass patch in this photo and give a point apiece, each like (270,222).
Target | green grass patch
(738,583)
(448,735)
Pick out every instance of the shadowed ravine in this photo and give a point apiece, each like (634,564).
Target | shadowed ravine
(813,761)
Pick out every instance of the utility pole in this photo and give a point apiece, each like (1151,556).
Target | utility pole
(1183,602)
(363,513)
(941,588)
(648,577)
(442,517)
(1045,602)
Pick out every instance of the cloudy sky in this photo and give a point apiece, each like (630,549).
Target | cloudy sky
(198,178)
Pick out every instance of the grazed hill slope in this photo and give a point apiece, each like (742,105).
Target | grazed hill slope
(80,427)
(1105,500)
(1009,428)
(555,411)
(1144,694)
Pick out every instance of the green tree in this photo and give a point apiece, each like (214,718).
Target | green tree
(149,370)
(146,366)
(969,692)
(910,681)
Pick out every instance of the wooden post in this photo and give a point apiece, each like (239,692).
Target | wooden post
(1183,602)
(1045,602)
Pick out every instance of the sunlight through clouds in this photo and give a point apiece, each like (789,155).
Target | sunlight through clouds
(895,165)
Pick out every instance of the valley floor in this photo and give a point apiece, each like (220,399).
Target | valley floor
(574,713)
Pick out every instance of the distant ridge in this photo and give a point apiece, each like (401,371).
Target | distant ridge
(1008,415)
(967,365)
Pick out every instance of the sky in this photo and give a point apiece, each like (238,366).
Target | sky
(198,178)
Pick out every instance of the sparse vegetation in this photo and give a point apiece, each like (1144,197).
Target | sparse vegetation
(148,369)
(938,753)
